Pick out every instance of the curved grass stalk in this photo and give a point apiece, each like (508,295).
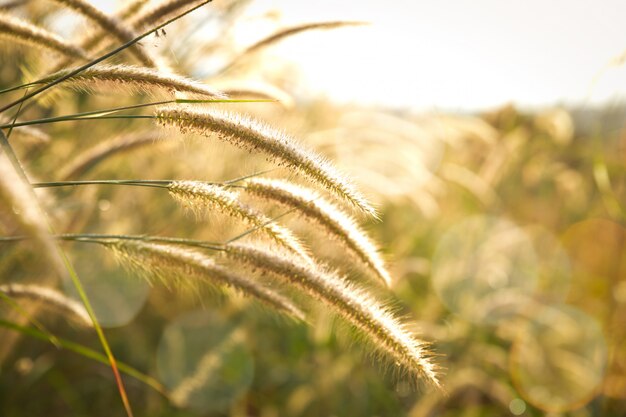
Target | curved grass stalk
(86,352)
(251,135)
(338,224)
(379,326)
(49,296)
(283,34)
(28,33)
(195,194)
(111,26)
(190,266)
(88,159)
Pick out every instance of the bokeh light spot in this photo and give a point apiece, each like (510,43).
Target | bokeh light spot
(484,269)
(559,358)
(517,406)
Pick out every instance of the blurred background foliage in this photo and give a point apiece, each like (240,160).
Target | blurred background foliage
(504,231)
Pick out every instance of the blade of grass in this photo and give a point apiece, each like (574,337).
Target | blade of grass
(6,146)
(86,352)
(104,114)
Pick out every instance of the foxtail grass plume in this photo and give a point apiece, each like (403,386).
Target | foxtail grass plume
(376,323)
(338,224)
(26,32)
(112,26)
(173,264)
(196,194)
(247,133)
(134,79)
(51,298)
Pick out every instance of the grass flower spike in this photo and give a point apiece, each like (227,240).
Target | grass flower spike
(249,134)
(386,333)
(191,267)
(335,221)
(31,34)
(195,194)
(134,79)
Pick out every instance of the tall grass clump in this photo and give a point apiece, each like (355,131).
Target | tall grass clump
(104,172)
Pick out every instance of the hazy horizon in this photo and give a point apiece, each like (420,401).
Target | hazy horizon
(453,55)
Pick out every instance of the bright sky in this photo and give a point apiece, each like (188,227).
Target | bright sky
(459,54)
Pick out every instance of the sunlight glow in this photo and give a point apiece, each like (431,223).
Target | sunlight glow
(458,55)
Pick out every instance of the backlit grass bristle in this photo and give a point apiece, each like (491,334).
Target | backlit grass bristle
(286,33)
(378,325)
(338,224)
(112,26)
(191,267)
(28,33)
(247,133)
(132,79)
(49,297)
(196,194)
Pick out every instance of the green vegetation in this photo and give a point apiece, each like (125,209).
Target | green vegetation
(167,249)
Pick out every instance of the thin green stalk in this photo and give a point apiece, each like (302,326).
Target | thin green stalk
(106,238)
(104,114)
(86,352)
(17,113)
(136,183)
(74,118)
(19,87)
(36,323)
(6,146)
(143,183)
(103,340)
(100,59)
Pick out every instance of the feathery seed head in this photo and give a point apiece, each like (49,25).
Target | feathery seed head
(337,223)
(277,146)
(196,194)
(27,32)
(169,262)
(352,304)
(136,79)
(51,297)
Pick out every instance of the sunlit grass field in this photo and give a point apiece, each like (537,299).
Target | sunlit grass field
(179,245)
